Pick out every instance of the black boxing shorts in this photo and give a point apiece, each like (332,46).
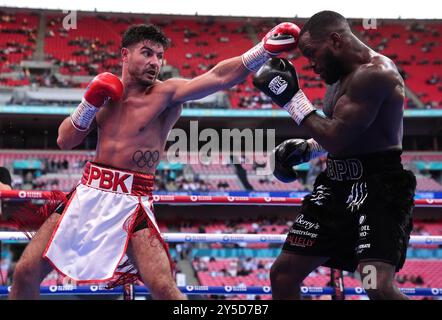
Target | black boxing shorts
(359,210)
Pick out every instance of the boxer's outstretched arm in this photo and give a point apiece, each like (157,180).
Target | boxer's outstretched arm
(229,72)
(224,75)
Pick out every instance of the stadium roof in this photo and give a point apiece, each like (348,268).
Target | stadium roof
(423,9)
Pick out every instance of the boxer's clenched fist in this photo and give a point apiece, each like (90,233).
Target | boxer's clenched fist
(103,87)
(283,37)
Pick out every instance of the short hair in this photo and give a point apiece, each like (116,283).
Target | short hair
(324,22)
(141,32)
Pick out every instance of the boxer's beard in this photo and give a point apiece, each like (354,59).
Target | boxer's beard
(144,81)
(139,77)
(332,68)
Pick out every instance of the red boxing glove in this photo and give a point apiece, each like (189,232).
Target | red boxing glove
(103,87)
(281,38)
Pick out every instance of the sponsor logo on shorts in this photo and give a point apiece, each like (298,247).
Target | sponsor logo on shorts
(303,233)
(298,241)
(305,223)
(357,196)
(319,194)
(348,169)
(110,180)
(363,246)
(362,219)
(364,230)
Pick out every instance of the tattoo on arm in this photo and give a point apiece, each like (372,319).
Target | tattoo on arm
(145,158)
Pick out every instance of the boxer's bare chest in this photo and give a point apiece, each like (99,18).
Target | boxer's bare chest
(138,117)
(332,95)
(134,129)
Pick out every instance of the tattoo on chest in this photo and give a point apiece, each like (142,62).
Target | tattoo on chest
(145,158)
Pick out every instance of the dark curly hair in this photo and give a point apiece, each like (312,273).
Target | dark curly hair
(137,33)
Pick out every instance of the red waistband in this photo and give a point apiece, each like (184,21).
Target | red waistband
(117,180)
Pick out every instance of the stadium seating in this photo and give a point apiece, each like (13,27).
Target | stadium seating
(428,184)
(198,43)
(416,48)
(63,169)
(18,39)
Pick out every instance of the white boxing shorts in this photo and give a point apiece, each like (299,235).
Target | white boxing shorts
(89,242)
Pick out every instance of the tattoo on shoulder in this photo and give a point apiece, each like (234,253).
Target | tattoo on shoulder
(145,158)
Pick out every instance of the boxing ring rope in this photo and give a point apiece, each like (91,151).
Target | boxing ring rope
(207,290)
(217,238)
(226,238)
(227,290)
(204,200)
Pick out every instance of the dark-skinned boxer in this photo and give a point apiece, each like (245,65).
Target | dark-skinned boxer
(359,214)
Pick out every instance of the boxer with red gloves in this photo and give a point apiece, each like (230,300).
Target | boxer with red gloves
(103,87)
(109,217)
(359,213)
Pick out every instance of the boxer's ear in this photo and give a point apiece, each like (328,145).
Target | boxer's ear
(124,54)
(335,40)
